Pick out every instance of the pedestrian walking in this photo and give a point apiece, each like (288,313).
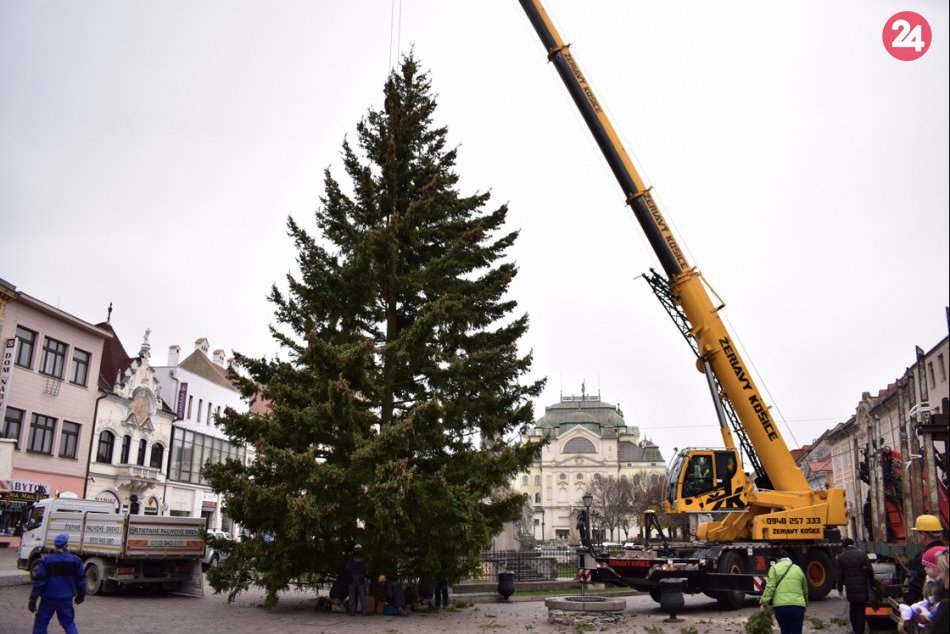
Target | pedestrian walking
(59,578)
(356,572)
(786,591)
(855,576)
(929,534)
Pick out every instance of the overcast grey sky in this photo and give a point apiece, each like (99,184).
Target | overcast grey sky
(150,153)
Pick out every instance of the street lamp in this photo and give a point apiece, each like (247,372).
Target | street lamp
(587,499)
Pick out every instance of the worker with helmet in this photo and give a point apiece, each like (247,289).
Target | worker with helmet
(929,534)
(58,578)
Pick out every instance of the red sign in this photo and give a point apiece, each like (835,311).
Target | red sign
(584,574)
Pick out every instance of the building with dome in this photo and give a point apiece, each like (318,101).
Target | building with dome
(588,439)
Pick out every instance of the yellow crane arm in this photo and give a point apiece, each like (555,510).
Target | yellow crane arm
(714,343)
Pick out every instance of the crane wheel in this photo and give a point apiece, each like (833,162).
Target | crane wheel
(731,562)
(820,572)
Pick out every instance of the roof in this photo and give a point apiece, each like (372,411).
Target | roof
(114,359)
(821,466)
(199,363)
(589,411)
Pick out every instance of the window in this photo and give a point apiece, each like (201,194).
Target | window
(54,358)
(26,341)
(208,420)
(158,454)
(79,373)
(941,368)
(190,452)
(126,447)
(141,457)
(524,481)
(562,476)
(580,476)
(930,374)
(42,429)
(190,399)
(579,445)
(68,439)
(537,499)
(537,480)
(106,442)
(200,405)
(12,422)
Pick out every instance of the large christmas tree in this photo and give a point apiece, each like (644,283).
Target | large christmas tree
(401,380)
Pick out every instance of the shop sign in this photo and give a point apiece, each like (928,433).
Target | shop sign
(209,506)
(6,369)
(151,507)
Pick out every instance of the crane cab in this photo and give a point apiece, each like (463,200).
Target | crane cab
(704,480)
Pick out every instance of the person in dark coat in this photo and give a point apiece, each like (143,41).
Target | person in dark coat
(356,573)
(929,534)
(855,576)
(59,577)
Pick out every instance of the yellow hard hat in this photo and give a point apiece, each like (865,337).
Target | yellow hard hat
(381,579)
(927,524)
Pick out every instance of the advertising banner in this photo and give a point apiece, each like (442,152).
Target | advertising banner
(6,370)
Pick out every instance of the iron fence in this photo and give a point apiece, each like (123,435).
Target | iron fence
(527,565)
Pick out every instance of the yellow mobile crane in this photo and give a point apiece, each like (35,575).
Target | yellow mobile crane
(779,506)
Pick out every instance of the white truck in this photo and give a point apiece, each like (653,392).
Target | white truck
(118,549)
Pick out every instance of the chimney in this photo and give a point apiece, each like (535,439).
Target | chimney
(173,352)
(203,345)
(218,357)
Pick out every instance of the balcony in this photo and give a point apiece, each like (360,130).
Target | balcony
(137,477)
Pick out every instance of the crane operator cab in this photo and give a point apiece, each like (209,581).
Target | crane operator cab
(703,480)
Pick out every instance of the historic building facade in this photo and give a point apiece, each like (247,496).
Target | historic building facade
(48,379)
(589,439)
(133,433)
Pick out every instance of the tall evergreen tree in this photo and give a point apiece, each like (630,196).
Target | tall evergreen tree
(401,378)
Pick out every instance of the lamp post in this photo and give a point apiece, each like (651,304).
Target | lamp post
(588,500)
(542,524)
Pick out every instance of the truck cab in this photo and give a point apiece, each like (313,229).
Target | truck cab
(35,528)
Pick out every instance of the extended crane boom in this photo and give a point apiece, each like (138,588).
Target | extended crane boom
(718,356)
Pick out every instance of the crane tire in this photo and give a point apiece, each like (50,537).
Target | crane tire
(734,563)
(819,570)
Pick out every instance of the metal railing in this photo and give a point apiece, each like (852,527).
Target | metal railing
(545,564)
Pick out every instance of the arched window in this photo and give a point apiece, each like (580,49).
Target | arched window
(579,445)
(141,458)
(524,481)
(158,454)
(537,480)
(537,498)
(106,443)
(126,447)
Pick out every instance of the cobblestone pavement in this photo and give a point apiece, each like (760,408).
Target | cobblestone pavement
(147,613)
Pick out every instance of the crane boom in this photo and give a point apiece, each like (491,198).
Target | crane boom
(714,344)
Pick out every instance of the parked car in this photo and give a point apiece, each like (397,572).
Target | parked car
(212,555)
(632,546)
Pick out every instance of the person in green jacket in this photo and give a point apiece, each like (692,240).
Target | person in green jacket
(787,592)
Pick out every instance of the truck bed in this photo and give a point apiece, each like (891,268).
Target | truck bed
(128,536)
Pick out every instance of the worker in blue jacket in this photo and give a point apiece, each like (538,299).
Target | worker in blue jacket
(59,577)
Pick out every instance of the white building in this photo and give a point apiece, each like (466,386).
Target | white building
(200,390)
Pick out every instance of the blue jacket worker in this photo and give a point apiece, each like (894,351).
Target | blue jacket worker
(59,577)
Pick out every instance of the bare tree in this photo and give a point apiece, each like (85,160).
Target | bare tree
(613,502)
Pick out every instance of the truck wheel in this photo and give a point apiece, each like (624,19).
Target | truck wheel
(93,579)
(33,565)
(820,572)
(732,562)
